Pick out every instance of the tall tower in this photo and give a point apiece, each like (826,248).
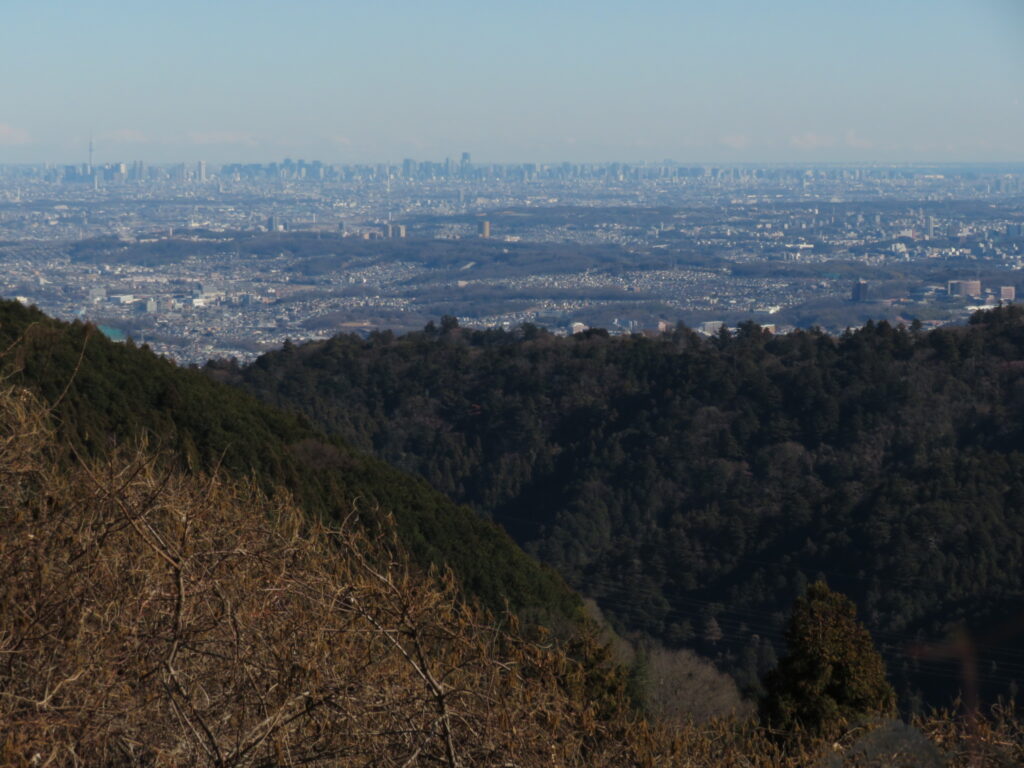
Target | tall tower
(90,151)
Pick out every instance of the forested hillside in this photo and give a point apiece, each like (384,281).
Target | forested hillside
(694,486)
(105,393)
(166,618)
(157,617)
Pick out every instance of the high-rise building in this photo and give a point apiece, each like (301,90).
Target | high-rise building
(860,291)
(1007,293)
(971,288)
(711,327)
(485,229)
(201,171)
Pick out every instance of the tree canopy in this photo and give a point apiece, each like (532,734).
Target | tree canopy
(832,675)
(678,479)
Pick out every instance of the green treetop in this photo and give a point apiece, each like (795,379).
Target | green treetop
(832,674)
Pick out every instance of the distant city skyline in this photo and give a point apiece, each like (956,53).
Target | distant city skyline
(796,81)
(451,166)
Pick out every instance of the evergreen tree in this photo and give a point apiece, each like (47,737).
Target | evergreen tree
(832,674)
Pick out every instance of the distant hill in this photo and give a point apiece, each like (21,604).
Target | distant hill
(313,254)
(693,487)
(108,394)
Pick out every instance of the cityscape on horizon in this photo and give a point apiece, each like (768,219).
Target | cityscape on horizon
(460,162)
(208,261)
(450,168)
(831,164)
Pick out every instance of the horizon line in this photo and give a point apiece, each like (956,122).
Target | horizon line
(500,163)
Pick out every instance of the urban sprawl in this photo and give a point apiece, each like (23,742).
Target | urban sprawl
(199,261)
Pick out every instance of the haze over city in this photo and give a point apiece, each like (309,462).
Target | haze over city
(791,81)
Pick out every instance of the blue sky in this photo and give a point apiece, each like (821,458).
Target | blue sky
(723,81)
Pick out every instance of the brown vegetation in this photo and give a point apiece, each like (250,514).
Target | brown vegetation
(158,619)
(682,688)
(152,618)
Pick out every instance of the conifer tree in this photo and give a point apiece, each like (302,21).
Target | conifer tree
(832,674)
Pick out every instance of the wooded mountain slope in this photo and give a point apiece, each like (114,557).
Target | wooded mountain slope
(107,393)
(158,618)
(694,487)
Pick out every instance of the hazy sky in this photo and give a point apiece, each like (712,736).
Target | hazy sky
(530,80)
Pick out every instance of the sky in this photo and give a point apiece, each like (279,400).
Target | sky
(348,81)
